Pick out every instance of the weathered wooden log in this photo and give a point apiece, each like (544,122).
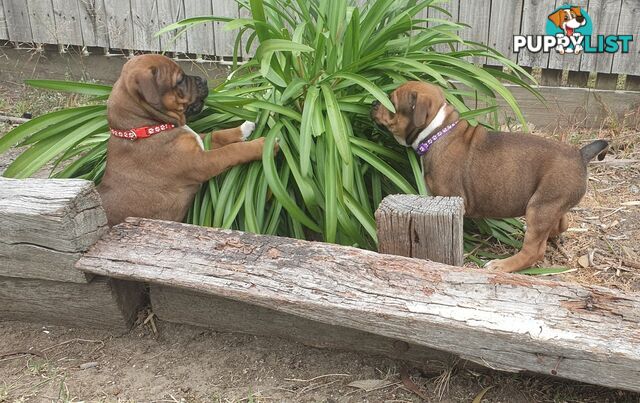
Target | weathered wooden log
(225,315)
(44,226)
(102,303)
(422,227)
(502,321)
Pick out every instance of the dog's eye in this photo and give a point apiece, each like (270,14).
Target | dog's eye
(180,79)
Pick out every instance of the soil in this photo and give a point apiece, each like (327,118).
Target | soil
(183,363)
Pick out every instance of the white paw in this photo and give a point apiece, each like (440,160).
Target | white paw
(489,264)
(247,128)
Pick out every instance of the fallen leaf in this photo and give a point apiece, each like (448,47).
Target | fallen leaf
(480,395)
(369,385)
(584,261)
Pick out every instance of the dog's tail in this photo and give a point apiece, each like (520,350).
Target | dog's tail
(598,147)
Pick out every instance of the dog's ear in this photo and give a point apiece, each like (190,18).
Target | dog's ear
(577,11)
(556,18)
(420,103)
(147,84)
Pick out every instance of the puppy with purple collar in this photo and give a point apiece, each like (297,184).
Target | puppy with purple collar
(499,175)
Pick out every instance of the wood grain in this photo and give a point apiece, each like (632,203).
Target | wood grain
(144,14)
(4,33)
(18,23)
(200,39)
(68,29)
(119,24)
(103,303)
(170,11)
(505,23)
(534,17)
(93,22)
(422,227)
(45,224)
(606,17)
(42,21)
(476,14)
(225,315)
(628,63)
(502,321)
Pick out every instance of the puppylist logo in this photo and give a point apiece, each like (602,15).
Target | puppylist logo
(569,30)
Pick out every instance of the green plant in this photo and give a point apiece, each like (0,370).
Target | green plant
(318,66)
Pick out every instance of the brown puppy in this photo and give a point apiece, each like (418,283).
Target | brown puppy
(155,162)
(497,174)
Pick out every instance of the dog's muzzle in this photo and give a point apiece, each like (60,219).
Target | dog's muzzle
(202,90)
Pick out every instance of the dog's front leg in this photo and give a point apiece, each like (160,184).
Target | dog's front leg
(225,137)
(216,161)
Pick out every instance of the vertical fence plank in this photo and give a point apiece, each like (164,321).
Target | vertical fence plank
(248,53)
(18,24)
(67,22)
(505,22)
(93,23)
(566,61)
(477,15)
(534,19)
(200,39)
(144,15)
(225,39)
(628,63)
(119,24)
(170,11)
(453,7)
(4,33)
(605,15)
(43,25)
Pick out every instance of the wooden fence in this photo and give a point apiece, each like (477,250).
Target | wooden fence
(131,24)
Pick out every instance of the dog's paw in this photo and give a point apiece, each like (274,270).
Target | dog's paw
(498,265)
(247,128)
(578,50)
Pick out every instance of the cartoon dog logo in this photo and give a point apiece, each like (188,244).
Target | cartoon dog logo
(568,20)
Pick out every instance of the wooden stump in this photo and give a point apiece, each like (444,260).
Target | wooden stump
(503,321)
(45,225)
(422,227)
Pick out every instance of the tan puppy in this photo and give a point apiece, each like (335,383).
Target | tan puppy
(497,174)
(155,162)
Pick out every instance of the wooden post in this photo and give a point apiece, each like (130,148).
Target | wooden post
(422,227)
(45,225)
(503,321)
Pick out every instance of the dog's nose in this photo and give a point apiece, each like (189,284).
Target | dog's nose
(375,104)
(580,19)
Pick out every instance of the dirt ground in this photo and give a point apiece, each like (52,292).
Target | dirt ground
(183,363)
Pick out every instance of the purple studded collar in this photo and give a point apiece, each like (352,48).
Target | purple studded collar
(426,144)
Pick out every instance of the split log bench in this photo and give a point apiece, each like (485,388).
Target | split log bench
(271,285)
(319,294)
(45,225)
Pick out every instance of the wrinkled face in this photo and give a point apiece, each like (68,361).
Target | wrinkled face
(416,104)
(161,83)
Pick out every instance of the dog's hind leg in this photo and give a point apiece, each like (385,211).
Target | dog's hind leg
(541,221)
(562,226)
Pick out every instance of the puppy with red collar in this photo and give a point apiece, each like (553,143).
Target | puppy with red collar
(155,162)
(498,175)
